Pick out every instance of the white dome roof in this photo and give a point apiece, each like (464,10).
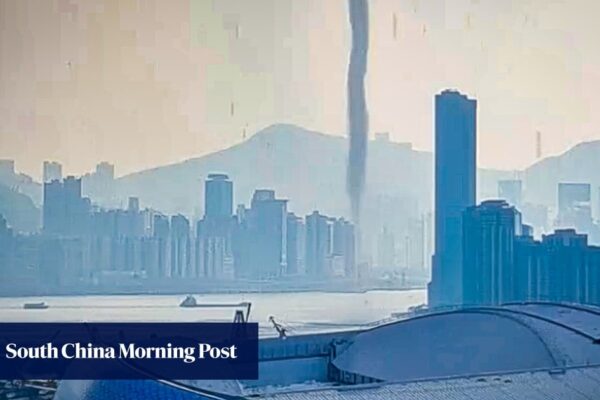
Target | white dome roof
(475,341)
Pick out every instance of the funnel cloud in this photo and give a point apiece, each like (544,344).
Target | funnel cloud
(358,118)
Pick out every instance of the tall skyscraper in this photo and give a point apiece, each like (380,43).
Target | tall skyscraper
(455,183)
(52,171)
(218,196)
(105,171)
(565,277)
(295,244)
(269,223)
(133,204)
(261,240)
(65,211)
(53,213)
(528,265)
(489,233)
(180,246)
(343,246)
(214,232)
(161,234)
(318,244)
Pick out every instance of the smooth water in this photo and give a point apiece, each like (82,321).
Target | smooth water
(301,312)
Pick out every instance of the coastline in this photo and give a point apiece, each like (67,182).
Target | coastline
(196,290)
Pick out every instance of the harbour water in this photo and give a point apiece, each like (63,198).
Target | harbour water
(300,312)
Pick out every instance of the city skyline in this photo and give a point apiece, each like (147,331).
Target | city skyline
(81,246)
(520,59)
(256,241)
(400,198)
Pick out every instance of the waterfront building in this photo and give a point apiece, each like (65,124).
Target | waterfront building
(455,185)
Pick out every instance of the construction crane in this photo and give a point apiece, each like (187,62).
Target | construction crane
(281,330)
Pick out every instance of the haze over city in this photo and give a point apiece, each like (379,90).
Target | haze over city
(400,198)
(152,83)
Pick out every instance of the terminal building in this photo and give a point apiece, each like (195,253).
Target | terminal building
(516,351)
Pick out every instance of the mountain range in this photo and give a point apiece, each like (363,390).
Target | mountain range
(306,167)
(309,169)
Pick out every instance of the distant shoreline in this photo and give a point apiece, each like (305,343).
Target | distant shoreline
(197,292)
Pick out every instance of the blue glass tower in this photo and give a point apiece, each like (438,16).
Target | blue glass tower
(455,183)
(218,196)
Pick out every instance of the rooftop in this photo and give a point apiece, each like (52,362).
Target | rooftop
(516,351)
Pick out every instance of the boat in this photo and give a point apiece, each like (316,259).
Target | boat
(35,306)
(189,301)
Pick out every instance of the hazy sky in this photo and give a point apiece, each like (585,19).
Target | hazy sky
(150,82)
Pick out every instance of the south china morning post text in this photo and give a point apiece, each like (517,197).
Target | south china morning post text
(128,350)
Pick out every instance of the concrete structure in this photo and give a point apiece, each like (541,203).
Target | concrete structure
(455,183)
(260,249)
(489,232)
(218,196)
(518,352)
(344,247)
(318,244)
(214,233)
(180,247)
(503,263)
(296,245)
(65,211)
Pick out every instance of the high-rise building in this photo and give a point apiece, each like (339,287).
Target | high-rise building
(133,204)
(318,244)
(161,234)
(65,211)
(105,171)
(52,171)
(565,273)
(214,248)
(343,247)
(527,266)
(53,213)
(261,239)
(489,232)
(180,246)
(218,196)
(455,184)
(503,263)
(100,184)
(214,252)
(295,245)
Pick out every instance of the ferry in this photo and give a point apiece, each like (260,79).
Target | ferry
(35,306)
(189,301)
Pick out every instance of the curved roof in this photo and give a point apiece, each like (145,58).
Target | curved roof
(476,341)
(571,383)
